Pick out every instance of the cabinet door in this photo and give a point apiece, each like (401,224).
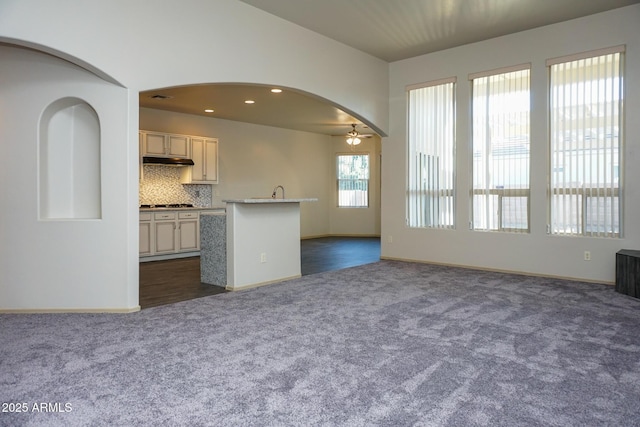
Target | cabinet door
(178,146)
(145,238)
(199,162)
(204,152)
(189,235)
(211,160)
(153,144)
(165,237)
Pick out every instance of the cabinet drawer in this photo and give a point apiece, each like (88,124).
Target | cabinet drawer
(185,215)
(146,216)
(165,215)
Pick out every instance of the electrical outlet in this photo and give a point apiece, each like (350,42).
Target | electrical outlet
(263,257)
(390,239)
(587,256)
(197,193)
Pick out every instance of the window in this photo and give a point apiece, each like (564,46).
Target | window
(353,180)
(500,192)
(586,103)
(431,155)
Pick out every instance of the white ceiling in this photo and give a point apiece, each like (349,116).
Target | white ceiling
(398,29)
(388,29)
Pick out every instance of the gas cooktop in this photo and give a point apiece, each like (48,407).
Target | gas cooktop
(170,205)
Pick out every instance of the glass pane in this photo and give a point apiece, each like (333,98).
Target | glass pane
(485,211)
(515,213)
(501,105)
(586,100)
(602,215)
(353,180)
(566,214)
(431,156)
(353,193)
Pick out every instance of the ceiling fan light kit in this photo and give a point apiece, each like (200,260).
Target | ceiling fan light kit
(353,136)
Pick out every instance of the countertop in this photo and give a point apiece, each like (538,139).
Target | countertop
(267,200)
(183,209)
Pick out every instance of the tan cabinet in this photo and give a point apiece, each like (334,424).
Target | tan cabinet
(169,233)
(164,145)
(204,153)
(164,228)
(145,234)
(188,231)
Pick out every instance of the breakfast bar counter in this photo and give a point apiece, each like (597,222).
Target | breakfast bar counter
(261,238)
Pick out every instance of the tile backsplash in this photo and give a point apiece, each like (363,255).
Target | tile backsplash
(161,185)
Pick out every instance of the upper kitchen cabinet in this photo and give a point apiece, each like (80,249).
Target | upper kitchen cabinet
(204,153)
(164,145)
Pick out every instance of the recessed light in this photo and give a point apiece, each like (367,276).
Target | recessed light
(276,90)
(208,110)
(249,101)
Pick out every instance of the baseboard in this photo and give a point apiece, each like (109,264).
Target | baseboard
(257,285)
(497,270)
(169,256)
(69,310)
(320,236)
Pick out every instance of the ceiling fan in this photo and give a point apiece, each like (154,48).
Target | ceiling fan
(354,137)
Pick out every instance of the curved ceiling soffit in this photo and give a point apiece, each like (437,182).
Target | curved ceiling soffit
(183,98)
(36,47)
(352,113)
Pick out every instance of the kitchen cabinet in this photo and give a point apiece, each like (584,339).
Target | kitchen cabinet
(164,145)
(204,153)
(164,228)
(145,234)
(169,233)
(188,231)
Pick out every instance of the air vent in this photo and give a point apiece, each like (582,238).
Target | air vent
(161,97)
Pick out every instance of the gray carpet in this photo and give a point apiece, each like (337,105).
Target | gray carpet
(388,343)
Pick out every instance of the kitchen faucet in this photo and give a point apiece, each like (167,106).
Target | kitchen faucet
(273,196)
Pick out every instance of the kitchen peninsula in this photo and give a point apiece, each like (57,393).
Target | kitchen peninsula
(256,243)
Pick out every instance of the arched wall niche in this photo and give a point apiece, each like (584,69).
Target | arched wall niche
(69,182)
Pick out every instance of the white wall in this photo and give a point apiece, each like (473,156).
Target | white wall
(61,264)
(141,45)
(537,252)
(254,159)
(146,44)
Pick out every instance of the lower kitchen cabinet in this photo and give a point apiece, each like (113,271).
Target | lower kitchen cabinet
(169,233)
(189,231)
(145,234)
(164,228)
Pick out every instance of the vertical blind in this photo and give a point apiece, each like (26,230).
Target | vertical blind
(501,107)
(431,155)
(586,102)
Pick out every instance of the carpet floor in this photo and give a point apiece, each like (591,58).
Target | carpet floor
(389,343)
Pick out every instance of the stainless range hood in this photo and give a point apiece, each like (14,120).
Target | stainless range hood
(166,161)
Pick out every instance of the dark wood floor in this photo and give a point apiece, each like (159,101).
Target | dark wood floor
(166,282)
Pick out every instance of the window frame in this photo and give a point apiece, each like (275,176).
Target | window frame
(500,193)
(425,200)
(367,180)
(584,193)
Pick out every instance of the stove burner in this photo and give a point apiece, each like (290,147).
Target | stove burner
(170,205)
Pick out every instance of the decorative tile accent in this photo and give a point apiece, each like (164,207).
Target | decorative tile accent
(161,185)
